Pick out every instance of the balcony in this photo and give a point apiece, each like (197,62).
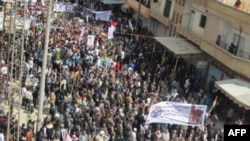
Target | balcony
(238,64)
(144,11)
(229,13)
(245,4)
(190,35)
(162,19)
(234,50)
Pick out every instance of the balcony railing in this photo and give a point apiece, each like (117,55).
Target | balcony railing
(230,14)
(238,64)
(234,50)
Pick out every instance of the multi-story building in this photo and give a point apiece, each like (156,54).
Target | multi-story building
(220,28)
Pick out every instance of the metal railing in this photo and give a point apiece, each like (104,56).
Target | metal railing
(237,52)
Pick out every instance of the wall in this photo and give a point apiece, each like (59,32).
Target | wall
(198,12)
(152,25)
(145,21)
(224,30)
(245,49)
(161,30)
(211,30)
(186,14)
(213,71)
(158,7)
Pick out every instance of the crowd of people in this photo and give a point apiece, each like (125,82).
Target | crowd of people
(104,92)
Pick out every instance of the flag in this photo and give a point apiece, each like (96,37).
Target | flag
(76,74)
(130,25)
(65,135)
(213,105)
(111,33)
(58,54)
(104,33)
(87,14)
(113,24)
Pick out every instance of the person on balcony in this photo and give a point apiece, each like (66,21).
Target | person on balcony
(218,40)
(235,50)
(231,48)
(238,4)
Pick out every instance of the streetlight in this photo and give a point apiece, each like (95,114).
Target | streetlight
(44,65)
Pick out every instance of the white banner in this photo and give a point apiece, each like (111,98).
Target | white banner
(177,113)
(60,7)
(69,8)
(91,39)
(33,2)
(111,33)
(113,1)
(103,15)
(82,32)
(202,64)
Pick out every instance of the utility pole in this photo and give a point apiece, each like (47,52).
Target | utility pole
(138,15)
(44,66)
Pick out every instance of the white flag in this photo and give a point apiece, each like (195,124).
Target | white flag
(130,25)
(65,135)
(111,33)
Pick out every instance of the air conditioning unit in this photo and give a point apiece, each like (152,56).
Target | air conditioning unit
(125,9)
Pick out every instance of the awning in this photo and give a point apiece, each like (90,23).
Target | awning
(180,47)
(237,90)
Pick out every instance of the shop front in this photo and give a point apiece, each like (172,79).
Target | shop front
(238,92)
(182,49)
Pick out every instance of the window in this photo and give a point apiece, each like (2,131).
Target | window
(180,19)
(176,18)
(191,20)
(167,8)
(203,21)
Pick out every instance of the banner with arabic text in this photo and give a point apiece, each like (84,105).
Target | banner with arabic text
(177,113)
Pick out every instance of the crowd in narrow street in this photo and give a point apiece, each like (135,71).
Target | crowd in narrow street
(103,92)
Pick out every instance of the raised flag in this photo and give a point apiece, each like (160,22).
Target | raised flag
(65,135)
(76,74)
(130,25)
(111,33)
(113,24)
(104,33)
(213,105)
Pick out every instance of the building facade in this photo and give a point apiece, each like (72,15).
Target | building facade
(220,28)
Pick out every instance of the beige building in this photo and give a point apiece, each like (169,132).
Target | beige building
(201,22)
